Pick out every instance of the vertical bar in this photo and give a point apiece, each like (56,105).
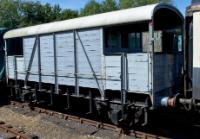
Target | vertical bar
(91,102)
(51,94)
(35,93)
(151,42)
(186,59)
(76,65)
(6,62)
(123,82)
(123,78)
(15,72)
(39,64)
(15,69)
(68,99)
(55,64)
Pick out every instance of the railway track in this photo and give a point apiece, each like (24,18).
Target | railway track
(97,124)
(8,132)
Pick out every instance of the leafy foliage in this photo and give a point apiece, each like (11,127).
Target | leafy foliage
(92,7)
(20,13)
(109,5)
(135,3)
(17,13)
(9,13)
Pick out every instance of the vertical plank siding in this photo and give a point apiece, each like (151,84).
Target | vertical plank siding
(11,67)
(113,72)
(106,68)
(138,72)
(65,58)
(27,48)
(20,68)
(91,40)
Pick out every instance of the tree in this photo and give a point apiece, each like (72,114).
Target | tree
(9,13)
(92,7)
(33,13)
(68,14)
(17,13)
(135,3)
(109,5)
(20,13)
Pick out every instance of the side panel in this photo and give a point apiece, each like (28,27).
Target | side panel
(28,44)
(138,72)
(113,72)
(11,68)
(47,58)
(196,55)
(65,58)
(20,68)
(92,43)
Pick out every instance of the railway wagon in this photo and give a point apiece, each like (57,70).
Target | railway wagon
(192,56)
(126,61)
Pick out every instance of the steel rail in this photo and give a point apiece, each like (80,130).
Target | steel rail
(14,133)
(97,124)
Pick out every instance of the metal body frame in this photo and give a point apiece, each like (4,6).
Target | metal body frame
(76,73)
(55,65)
(39,65)
(151,44)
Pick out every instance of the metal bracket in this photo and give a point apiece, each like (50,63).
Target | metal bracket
(55,64)
(124,82)
(76,65)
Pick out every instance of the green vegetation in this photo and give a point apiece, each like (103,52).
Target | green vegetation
(20,13)
(135,3)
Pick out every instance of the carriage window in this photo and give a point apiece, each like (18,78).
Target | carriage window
(14,46)
(172,42)
(134,42)
(120,41)
(114,40)
(180,48)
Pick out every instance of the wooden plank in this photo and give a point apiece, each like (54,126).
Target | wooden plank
(11,67)
(47,55)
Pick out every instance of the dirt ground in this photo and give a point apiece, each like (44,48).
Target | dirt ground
(47,127)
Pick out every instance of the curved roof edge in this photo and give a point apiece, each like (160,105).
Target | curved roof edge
(143,13)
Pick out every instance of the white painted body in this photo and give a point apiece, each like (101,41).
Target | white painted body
(107,68)
(196,55)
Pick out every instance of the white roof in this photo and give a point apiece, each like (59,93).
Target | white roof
(144,13)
